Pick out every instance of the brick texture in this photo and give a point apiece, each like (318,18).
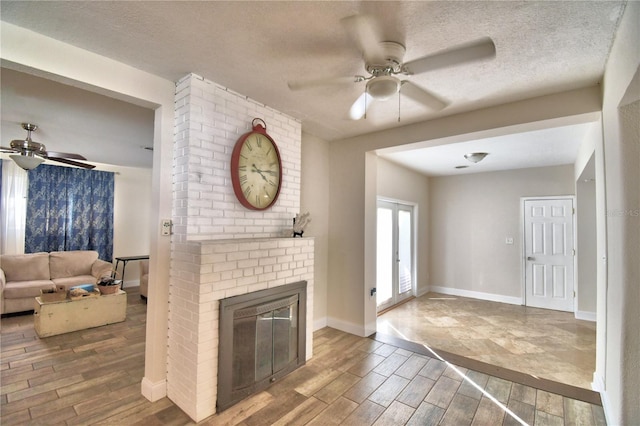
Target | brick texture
(209,119)
(219,248)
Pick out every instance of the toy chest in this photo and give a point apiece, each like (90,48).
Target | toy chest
(58,317)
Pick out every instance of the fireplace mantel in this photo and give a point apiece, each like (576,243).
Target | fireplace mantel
(202,274)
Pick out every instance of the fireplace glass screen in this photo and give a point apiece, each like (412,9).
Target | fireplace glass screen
(262,338)
(265,341)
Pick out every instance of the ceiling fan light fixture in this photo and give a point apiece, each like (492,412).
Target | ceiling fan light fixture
(383,87)
(27,162)
(476,157)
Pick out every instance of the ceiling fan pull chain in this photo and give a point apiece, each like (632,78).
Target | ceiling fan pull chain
(398,106)
(366,92)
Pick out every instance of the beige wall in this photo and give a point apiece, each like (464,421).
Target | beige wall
(132,208)
(587,223)
(353,187)
(618,339)
(471,217)
(587,244)
(314,198)
(403,185)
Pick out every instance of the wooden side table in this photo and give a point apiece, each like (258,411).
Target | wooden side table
(65,316)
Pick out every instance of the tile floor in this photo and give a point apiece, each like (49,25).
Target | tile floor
(93,377)
(545,343)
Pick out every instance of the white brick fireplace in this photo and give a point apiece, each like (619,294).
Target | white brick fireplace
(219,248)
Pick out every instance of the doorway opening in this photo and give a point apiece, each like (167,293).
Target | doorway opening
(395,266)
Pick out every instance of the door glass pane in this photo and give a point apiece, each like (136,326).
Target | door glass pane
(385,255)
(404,252)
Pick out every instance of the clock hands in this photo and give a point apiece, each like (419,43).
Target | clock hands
(261,172)
(255,169)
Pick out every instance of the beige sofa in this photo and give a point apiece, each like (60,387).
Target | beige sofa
(22,276)
(144,278)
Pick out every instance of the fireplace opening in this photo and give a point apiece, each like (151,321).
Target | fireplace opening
(262,338)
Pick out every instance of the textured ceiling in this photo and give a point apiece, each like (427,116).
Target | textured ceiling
(540,148)
(255,48)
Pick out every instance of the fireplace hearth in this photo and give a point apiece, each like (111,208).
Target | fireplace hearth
(262,338)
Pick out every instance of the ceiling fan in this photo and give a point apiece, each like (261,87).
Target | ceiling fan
(384,63)
(30,154)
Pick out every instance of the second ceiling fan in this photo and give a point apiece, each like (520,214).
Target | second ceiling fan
(29,154)
(384,63)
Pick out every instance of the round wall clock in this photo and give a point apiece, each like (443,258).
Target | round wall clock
(256,169)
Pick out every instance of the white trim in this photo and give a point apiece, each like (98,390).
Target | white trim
(598,383)
(477,295)
(423,291)
(153,391)
(319,323)
(598,386)
(586,316)
(347,327)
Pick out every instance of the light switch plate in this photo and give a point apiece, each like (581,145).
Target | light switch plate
(509,240)
(166,227)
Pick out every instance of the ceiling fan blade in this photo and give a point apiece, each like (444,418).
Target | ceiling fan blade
(360,106)
(51,155)
(73,163)
(8,150)
(422,96)
(329,81)
(483,48)
(363,29)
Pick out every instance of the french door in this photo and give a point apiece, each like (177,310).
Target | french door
(395,266)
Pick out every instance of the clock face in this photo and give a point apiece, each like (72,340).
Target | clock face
(256,171)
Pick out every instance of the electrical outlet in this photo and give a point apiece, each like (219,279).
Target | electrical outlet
(166,227)
(509,240)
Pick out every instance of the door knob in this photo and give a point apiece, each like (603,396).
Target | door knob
(531,258)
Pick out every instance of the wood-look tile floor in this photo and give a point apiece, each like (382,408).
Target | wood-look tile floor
(545,343)
(93,377)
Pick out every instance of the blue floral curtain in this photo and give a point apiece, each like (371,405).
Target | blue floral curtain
(70,209)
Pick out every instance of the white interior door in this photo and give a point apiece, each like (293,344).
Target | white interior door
(395,271)
(549,253)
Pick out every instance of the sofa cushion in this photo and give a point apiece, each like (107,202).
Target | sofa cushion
(25,267)
(101,268)
(63,264)
(20,289)
(77,280)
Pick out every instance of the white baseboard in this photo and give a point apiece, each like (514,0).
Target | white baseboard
(586,316)
(153,391)
(319,323)
(370,328)
(477,295)
(598,383)
(132,283)
(347,327)
(422,292)
(598,386)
